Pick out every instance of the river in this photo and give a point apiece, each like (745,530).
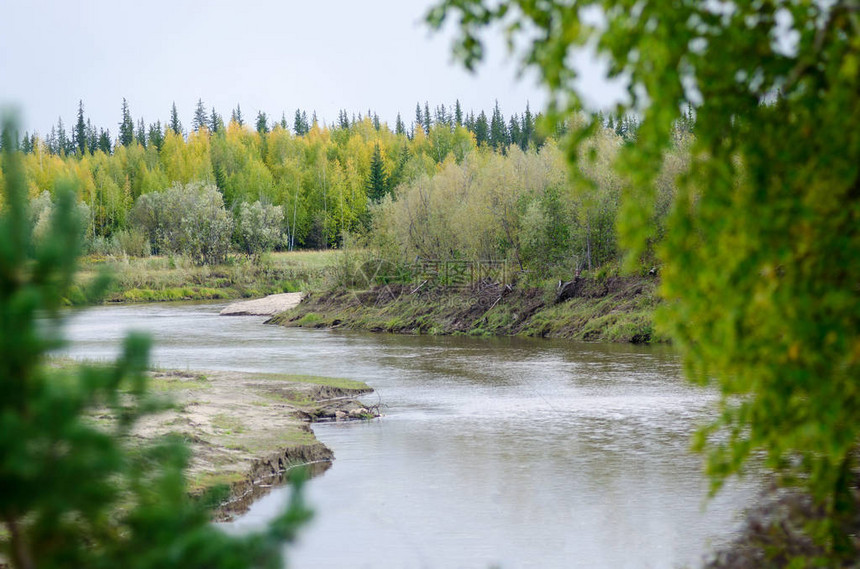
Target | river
(491,452)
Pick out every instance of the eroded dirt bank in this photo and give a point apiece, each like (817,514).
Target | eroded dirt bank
(246,430)
(616,309)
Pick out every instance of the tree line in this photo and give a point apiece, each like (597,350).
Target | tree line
(324,179)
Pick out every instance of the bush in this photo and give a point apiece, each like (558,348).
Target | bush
(258,228)
(187,220)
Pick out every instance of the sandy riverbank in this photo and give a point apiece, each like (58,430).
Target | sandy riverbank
(268,306)
(246,430)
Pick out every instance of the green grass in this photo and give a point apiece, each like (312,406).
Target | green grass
(336,382)
(227,423)
(163,279)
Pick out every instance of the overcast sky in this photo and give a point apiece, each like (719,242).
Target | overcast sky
(270,55)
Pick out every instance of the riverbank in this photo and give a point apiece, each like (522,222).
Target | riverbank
(161,279)
(247,430)
(615,309)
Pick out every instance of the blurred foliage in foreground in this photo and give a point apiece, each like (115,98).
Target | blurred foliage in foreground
(761,246)
(71,494)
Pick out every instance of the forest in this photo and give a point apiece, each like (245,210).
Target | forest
(249,187)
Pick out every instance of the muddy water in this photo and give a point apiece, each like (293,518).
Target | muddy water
(492,452)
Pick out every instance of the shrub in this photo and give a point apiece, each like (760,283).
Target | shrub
(187,220)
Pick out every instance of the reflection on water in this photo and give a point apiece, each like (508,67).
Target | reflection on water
(505,451)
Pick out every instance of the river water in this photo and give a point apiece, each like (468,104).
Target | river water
(491,452)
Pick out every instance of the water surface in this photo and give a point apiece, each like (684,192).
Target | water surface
(492,452)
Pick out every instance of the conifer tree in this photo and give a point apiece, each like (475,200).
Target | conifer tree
(156,135)
(237,115)
(104,143)
(126,127)
(515,132)
(175,124)
(92,137)
(26,144)
(299,124)
(200,118)
(426,118)
(63,142)
(399,127)
(419,116)
(284,124)
(527,129)
(458,113)
(262,123)
(216,123)
(377,181)
(81,130)
(498,131)
(74,493)
(140,135)
(482,129)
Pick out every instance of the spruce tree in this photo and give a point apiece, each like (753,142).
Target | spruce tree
(427,123)
(216,123)
(92,137)
(299,124)
(51,141)
(126,127)
(175,124)
(81,130)
(399,127)
(419,116)
(200,118)
(76,493)
(377,181)
(498,130)
(26,144)
(262,123)
(237,115)
(284,124)
(527,129)
(458,113)
(482,129)
(104,142)
(140,135)
(63,142)
(156,135)
(515,131)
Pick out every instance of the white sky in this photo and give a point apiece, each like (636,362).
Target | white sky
(270,55)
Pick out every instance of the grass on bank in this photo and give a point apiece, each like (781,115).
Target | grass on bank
(170,278)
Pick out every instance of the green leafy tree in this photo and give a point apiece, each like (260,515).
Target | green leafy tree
(73,493)
(186,220)
(258,228)
(761,245)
